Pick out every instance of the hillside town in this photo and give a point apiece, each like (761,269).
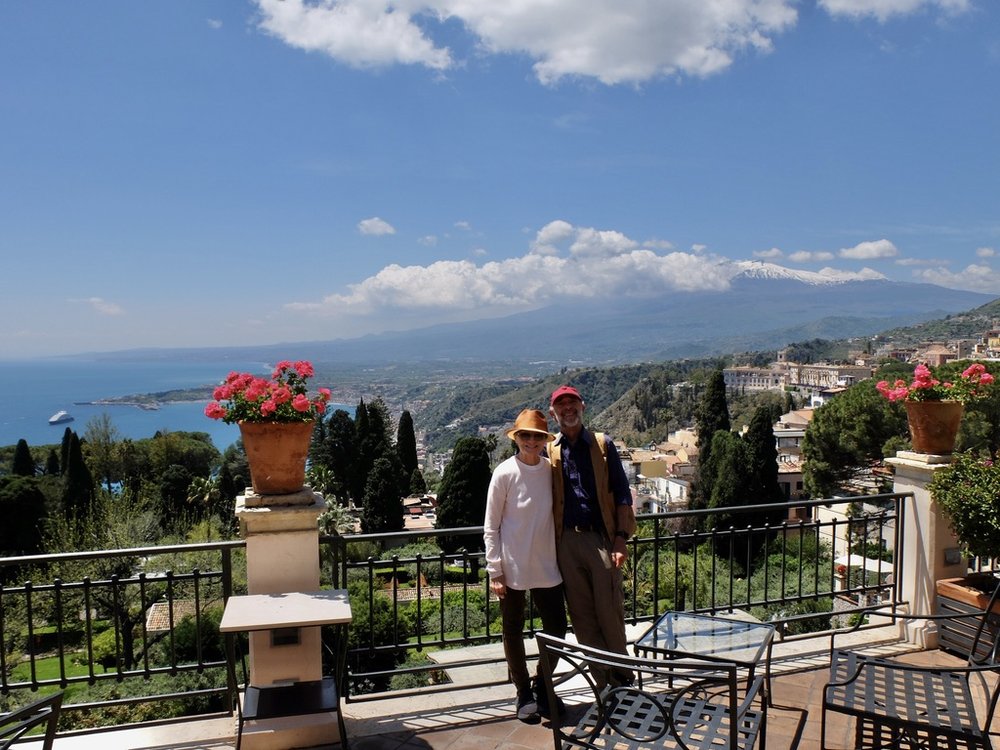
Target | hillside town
(662,472)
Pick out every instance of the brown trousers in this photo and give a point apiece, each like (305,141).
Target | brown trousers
(594,595)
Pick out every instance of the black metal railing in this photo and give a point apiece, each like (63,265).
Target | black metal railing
(139,626)
(91,622)
(409,607)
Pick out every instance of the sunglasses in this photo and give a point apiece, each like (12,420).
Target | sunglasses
(523,435)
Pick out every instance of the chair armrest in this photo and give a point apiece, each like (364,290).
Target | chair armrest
(754,692)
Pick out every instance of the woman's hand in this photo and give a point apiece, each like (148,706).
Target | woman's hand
(498,586)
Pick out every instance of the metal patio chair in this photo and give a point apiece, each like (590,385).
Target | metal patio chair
(671,703)
(43,712)
(900,705)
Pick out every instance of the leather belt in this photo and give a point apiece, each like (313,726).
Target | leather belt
(581,528)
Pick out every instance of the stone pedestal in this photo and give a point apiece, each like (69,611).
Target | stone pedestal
(930,550)
(282,547)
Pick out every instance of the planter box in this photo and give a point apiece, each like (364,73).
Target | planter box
(962,596)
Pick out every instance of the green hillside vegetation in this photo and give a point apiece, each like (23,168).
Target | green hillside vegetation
(967,325)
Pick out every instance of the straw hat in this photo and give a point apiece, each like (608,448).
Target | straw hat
(531,420)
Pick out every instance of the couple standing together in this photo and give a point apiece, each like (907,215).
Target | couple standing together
(558,514)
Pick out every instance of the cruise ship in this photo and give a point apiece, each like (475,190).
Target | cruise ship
(60,416)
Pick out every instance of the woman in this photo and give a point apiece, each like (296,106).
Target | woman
(520,551)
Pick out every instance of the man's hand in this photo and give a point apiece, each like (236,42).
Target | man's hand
(498,586)
(619,552)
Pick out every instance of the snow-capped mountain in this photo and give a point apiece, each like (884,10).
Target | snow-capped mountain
(757,269)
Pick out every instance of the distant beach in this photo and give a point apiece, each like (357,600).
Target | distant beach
(32,391)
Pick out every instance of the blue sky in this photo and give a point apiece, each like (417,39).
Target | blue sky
(209,172)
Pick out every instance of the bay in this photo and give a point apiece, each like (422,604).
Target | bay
(32,391)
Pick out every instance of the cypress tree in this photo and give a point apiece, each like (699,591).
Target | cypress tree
(78,482)
(340,455)
(417,484)
(23,464)
(52,464)
(711,416)
(462,494)
(382,504)
(406,444)
(762,459)
(64,450)
(359,474)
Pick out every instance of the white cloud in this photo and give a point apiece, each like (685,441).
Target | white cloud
(360,33)
(810,256)
(463,225)
(976,277)
(562,263)
(479,252)
(882,10)
(103,306)
(768,254)
(550,235)
(865,274)
(870,250)
(576,263)
(986,252)
(428,240)
(214,23)
(375,226)
(922,262)
(613,41)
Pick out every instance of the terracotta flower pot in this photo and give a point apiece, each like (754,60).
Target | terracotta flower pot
(276,452)
(934,425)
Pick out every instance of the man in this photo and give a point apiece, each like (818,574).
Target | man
(592,507)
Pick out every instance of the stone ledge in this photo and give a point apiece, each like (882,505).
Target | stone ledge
(306,496)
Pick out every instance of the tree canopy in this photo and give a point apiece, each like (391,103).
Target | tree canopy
(462,494)
(847,435)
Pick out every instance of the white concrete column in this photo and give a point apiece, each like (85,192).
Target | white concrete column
(930,550)
(282,538)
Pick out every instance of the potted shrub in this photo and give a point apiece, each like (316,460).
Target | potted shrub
(968,491)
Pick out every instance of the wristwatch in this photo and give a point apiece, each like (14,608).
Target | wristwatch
(622,534)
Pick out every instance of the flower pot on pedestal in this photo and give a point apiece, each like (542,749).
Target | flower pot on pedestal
(934,425)
(276,452)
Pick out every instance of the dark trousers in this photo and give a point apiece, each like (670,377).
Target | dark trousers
(549,605)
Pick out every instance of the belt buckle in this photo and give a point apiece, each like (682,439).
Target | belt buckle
(580,529)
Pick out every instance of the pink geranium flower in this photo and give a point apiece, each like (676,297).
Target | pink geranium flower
(974,383)
(243,397)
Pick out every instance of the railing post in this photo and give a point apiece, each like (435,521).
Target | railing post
(929,547)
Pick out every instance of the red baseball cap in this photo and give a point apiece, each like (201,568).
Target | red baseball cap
(565,390)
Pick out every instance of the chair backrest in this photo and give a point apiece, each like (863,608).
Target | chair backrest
(985,647)
(14,725)
(685,703)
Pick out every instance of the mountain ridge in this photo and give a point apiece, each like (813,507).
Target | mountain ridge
(765,307)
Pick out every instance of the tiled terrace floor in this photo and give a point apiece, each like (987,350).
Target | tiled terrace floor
(482,719)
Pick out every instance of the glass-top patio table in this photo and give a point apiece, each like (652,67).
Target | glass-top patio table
(713,638)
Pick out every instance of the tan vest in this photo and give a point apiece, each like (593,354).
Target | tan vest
(605,500)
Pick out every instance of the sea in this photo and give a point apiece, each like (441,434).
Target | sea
(32,391)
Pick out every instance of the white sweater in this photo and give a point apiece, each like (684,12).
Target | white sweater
(519,531)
